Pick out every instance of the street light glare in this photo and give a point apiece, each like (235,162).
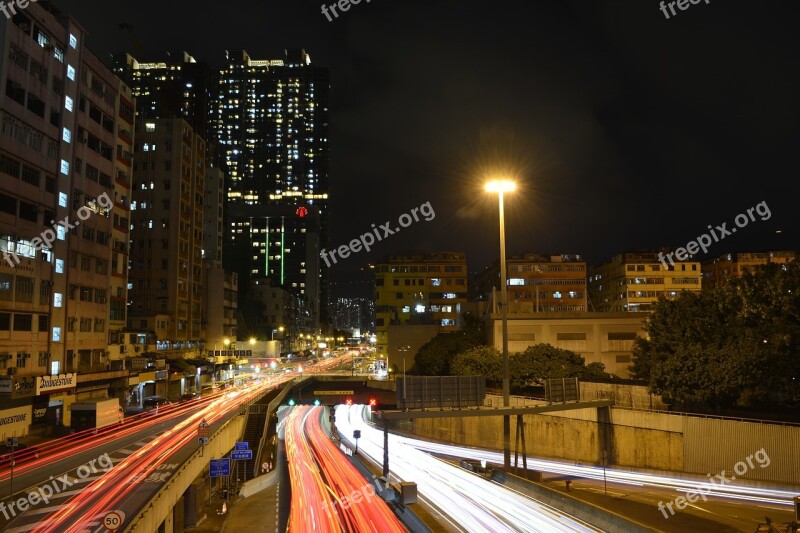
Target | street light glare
(501,186)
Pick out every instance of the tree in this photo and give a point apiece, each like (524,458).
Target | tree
(479,361)
(733,346)
(540,362)
(434,358)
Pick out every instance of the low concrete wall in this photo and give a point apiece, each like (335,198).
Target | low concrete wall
(624,395)
(638,439)
(254,486)
(591,514)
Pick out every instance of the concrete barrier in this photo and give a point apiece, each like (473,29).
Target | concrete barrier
(254,486)
(591,514)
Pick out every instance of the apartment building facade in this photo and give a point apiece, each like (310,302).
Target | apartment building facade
(632,282)
(166,276)
(735,265)
(536,283)
(419,290)
(65,158)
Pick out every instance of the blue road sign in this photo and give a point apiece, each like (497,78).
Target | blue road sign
(220,467)
(242,446)
(242,455)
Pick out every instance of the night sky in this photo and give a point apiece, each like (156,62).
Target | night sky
(624,129)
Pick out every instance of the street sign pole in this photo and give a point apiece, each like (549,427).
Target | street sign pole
(12,443)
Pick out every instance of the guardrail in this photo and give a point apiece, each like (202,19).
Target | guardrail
(269,408)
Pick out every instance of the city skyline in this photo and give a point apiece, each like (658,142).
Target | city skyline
(610,138)
(252,254)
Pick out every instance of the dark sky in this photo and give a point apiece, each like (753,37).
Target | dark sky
(625,130)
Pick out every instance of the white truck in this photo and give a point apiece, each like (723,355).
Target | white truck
(96,414)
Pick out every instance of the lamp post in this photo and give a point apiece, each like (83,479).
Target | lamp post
(501,187)
(403,350)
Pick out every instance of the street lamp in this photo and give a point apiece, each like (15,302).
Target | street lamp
(501,187)
(274,330)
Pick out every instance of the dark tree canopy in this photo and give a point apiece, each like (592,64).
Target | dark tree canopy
(733,346)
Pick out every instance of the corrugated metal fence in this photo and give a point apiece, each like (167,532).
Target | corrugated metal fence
(712,445)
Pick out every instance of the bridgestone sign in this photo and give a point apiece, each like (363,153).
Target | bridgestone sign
(13,419)
(55,383)
(14,422)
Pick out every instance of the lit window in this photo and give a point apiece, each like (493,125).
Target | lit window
(57,299)
(62,199)
(516,281)
(406,309)
(67,135)
(59,266)
(150,127)
(68,103)
(557,295)
(61,233)
(65,167)
(449,296)
(436,282)
(419,308)
(71,72)
(145,147)
(56,334)
(73,41)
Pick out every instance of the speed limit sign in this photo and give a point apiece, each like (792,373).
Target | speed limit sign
(112,521)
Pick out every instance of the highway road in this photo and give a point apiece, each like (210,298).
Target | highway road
(79,480)
(465,501)
(329,495)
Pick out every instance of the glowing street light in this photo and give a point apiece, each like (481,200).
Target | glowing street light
(501,187)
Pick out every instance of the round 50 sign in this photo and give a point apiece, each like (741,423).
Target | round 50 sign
(112,521)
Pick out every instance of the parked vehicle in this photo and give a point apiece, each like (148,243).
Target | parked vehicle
(96,414)
(22,453)
(154,402)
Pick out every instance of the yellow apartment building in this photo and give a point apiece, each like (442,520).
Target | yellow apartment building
(632,282)
(419,290)
(554,283)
